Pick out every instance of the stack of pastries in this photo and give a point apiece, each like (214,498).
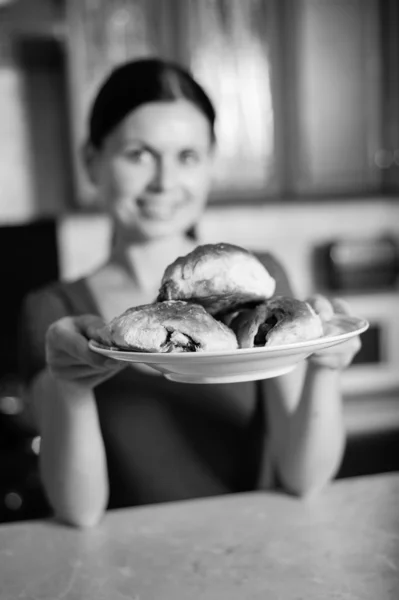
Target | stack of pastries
(219,297)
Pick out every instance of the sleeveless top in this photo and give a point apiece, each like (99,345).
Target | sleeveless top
(163,440)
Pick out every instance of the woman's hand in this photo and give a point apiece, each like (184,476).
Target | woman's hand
(337,357)
(69,356)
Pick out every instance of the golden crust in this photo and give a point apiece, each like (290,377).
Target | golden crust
(281,320)
(217,276)
(172,326)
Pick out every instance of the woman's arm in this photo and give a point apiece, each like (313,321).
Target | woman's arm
(305,433)
(72,456)
(306,429)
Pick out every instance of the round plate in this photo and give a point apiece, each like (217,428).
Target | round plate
(246,364)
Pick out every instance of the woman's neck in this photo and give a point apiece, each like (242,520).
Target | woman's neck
(145,261)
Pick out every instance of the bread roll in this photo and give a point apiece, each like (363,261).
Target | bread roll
(220,277)
(279,321)
(172,326)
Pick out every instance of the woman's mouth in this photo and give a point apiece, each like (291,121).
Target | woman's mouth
(159,211)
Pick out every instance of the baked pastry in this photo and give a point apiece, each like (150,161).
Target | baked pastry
(281,320)
(220,277)
(172,326)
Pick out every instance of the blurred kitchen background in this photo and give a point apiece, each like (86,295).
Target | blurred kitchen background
(308,98)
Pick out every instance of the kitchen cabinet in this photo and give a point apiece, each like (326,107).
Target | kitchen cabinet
(101,34)
(336,74)
(306,105)
(229,48)
(223,43)
(390,56)
(306,90)
(33,18)
(35,172)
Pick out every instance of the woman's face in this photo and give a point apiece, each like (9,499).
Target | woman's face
(153,171)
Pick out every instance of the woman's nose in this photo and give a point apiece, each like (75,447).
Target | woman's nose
(165,175)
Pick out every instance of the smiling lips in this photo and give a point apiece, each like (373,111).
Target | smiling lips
(159,210)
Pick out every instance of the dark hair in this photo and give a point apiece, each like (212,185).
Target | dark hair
(140,81)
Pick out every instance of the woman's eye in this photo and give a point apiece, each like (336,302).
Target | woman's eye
(137,155)
(189,157)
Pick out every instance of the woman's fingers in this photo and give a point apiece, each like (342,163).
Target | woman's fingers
(88,325)
(65,367)
(322,306)
(72,371)
(81,372)
(326,308)
(60,358)
(337,357)
(65,342)
(341,307)
(340,356)
(69,356)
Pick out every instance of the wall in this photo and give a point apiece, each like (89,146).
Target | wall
(289,231)
(15,160)
(35,172)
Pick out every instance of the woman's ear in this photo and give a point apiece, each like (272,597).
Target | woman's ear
(90,162)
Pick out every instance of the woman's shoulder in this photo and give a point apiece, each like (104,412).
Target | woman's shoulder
(48,291)
(277,270)
(43,298)
(69,297)
(269,260)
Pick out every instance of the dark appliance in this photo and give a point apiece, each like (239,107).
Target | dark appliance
(356,264)
(29,259)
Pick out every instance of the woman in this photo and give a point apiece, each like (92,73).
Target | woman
(114,435)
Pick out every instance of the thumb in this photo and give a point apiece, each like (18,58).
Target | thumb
(89,325)
(341,306)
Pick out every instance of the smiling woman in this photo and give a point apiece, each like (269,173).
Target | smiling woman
(153,179)
(157,178)
(114,435)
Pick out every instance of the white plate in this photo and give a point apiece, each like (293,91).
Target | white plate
(247,364)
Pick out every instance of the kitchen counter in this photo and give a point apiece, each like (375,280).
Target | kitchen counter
(341,544)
